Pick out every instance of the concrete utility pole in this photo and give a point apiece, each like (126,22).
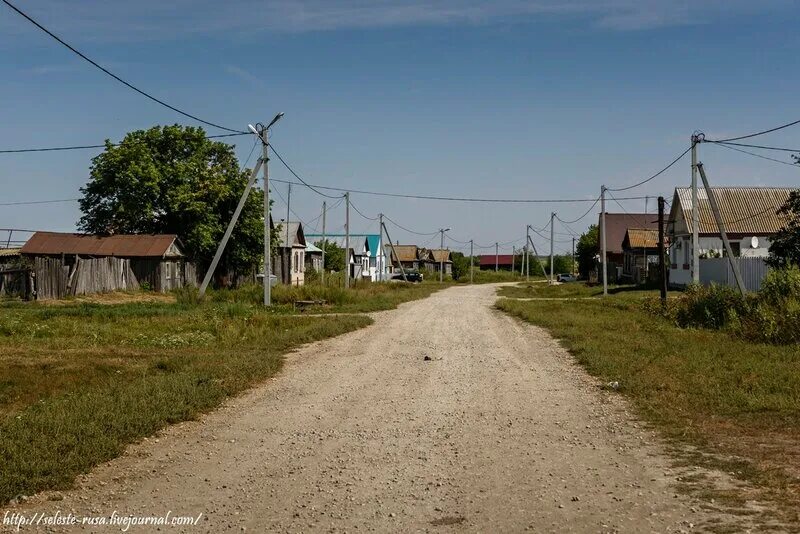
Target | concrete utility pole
(399,263)
(496,256)
(552,242)
(229,229)
(513,260)
(662,263)
(603,238)
(471,261)
(347,240)
(379,265)
(527,257)
(441,255)
(324,210)
(696,139)
(288,212)
(721,225)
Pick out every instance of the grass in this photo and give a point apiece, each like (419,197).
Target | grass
(738,401)
(491,277)
(572,290)
(80,380)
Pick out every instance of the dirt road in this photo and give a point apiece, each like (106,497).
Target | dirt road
(498,432)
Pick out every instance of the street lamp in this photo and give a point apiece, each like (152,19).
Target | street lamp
(263,133)
(441,255)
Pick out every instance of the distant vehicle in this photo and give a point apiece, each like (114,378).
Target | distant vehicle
(565,277)
(410,276)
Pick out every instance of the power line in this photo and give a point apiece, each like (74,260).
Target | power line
(795,165)
(83,147)
(359,212)
(763,147)
(108,72)
(408,229)
(303,182)
(582,216)
(653,177)
(31,202)
(748,136)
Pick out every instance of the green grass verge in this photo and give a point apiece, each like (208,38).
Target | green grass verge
(724,394)
(572,290)
(79,381)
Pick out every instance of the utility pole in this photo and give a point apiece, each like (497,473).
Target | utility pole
(696,139)
(721,225)
(288,212)
(267,233)
(391,245)
(347,240)
(471,261)
(552,242)
(603,238)
(527,257)
(441,256)
(496,257)
(513,260)
(322,273)
(662,263)
(380,265)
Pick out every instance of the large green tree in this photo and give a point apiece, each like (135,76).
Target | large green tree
(784,249)
(586,251)
(334,255)
(172,179)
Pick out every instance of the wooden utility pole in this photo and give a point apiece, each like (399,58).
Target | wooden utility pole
(322,273)
(347,241)
(662,263)
(721,226)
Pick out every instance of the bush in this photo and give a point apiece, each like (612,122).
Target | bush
(781,286)
(709,306)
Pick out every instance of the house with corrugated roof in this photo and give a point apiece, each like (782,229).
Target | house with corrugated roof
(640,253)
(366,259)
(289,260)
(750,215)
(617,225)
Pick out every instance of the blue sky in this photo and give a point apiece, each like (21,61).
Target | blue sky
(510,98)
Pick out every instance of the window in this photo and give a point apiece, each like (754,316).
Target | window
(686,252)
(295,261)
(736,248)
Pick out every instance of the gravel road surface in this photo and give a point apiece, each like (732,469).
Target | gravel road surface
(498,431)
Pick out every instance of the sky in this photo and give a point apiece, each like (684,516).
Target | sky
(517,99)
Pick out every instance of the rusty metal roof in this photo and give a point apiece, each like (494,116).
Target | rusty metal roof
(127,246)
(744,210)
(618,224)
(488,260)
(640,238)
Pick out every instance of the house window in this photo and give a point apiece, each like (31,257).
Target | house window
(736,248)
(295,261)
(686,252)
(302,265)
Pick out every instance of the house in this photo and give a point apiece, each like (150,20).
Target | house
(617,225)
(640,254)
(313,257)
(288,263)
(504,262)
(405,255)
(437,259)
(79,264)
(750,217)
(367,260)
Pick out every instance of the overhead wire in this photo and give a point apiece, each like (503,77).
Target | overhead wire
(653,177)
(108,72)
(83,147)
(762,147)
(756,134)
(729,147)
(313,188)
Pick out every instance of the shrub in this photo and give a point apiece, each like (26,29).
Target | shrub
(709,306)
(781,286)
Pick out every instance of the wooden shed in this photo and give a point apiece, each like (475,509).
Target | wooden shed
(80,264)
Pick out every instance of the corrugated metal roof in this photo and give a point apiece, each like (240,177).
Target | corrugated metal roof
(296,235)
(130,246)
(641,238)
(744,210)
(7,252)
(310,247)
(488,260)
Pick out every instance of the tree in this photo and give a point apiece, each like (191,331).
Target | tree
(460,265)
(561,264)
(173,180)
(784,249)
(334,255)
(587,250)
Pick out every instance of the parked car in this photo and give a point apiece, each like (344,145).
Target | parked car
(410,276)
(565,277)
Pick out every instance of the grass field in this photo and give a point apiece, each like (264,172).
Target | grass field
(572,290)
(80,380)
(726,395)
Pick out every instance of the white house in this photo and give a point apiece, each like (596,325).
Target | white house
(367,259)
(750,218)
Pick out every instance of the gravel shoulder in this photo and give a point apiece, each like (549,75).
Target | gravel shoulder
(498,432)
